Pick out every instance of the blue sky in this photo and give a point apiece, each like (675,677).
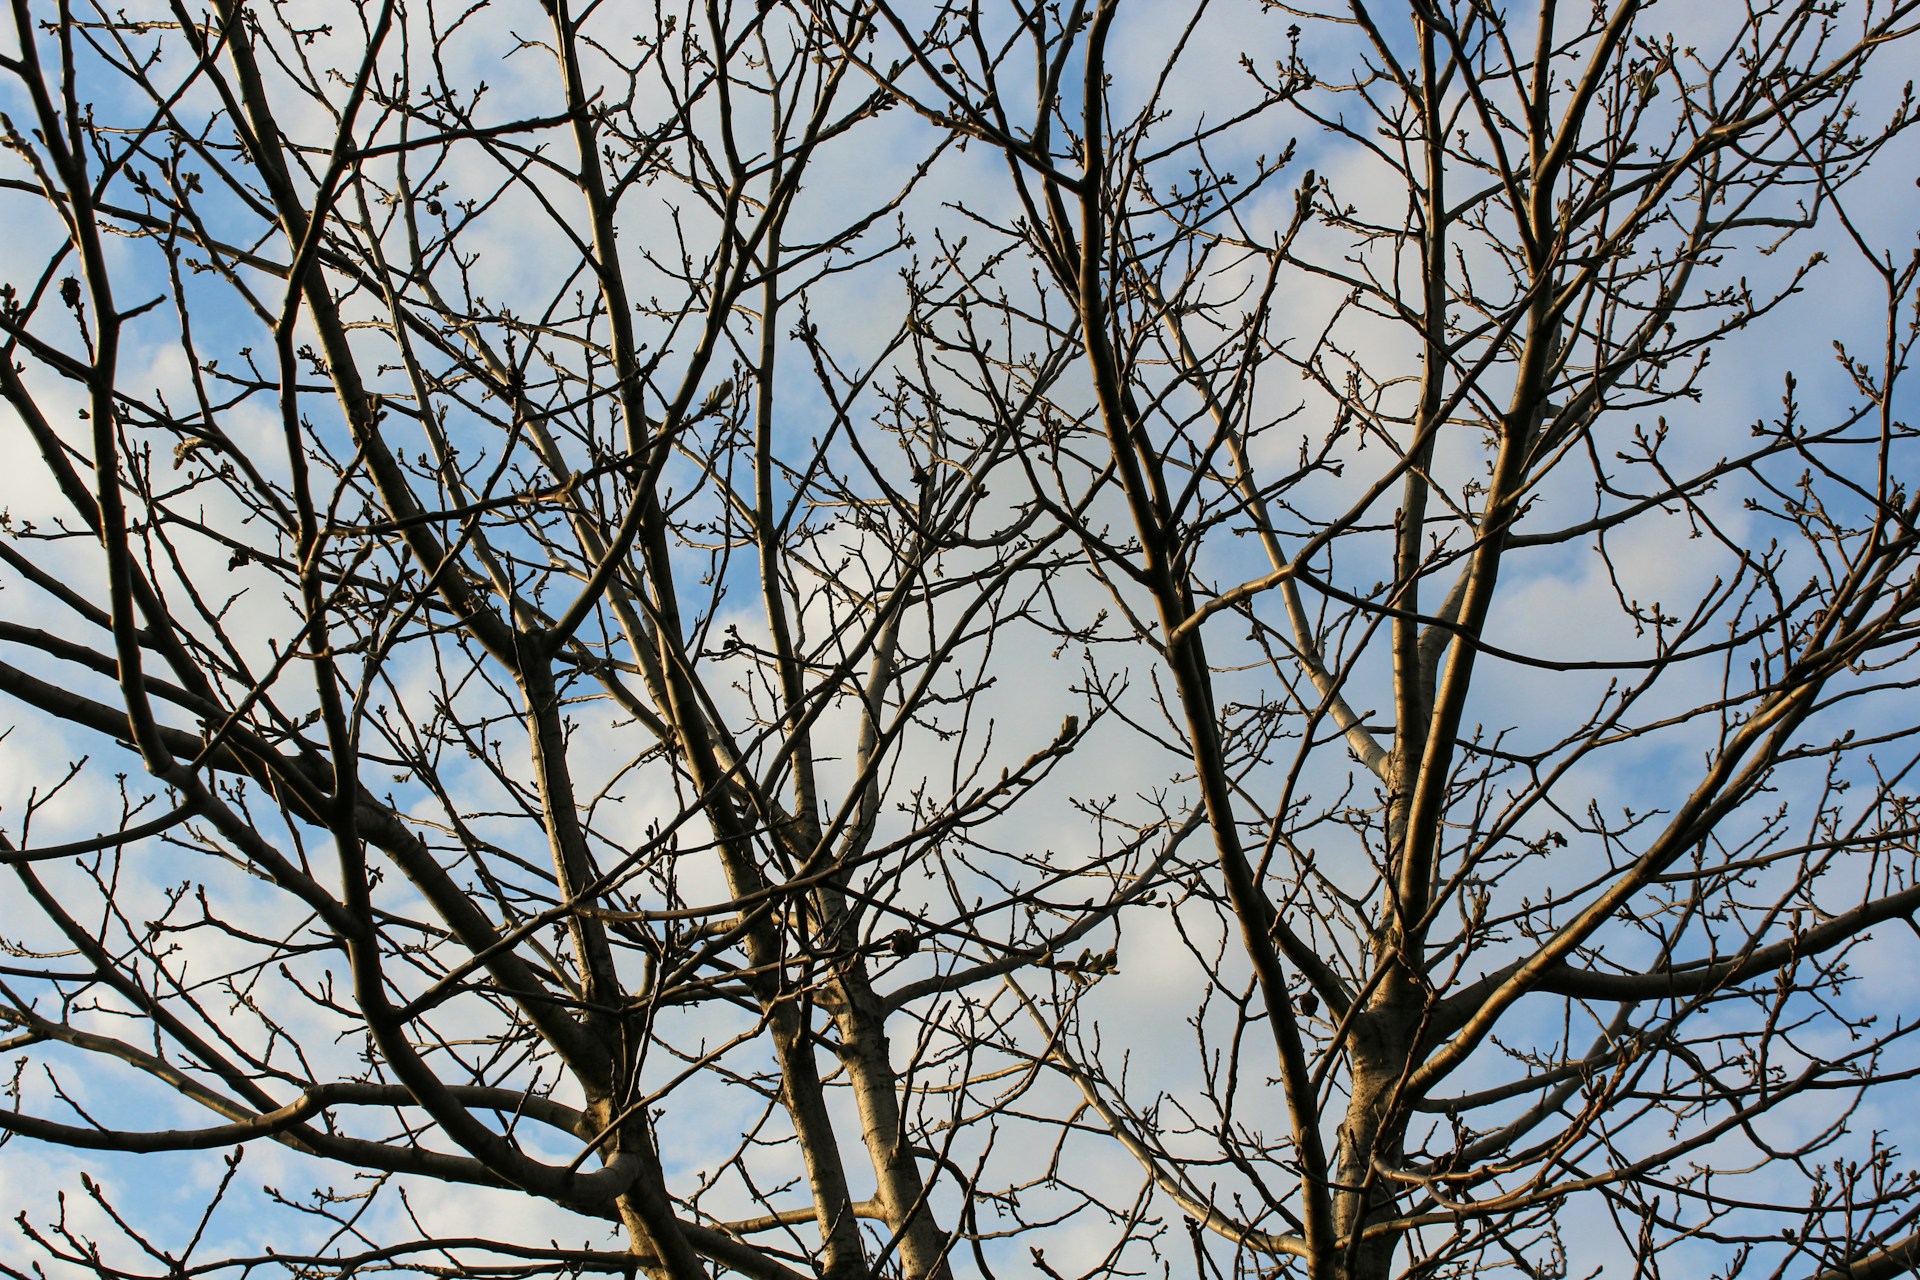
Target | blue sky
(1161,1019)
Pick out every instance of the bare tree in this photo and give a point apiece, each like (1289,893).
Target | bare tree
(1133,637)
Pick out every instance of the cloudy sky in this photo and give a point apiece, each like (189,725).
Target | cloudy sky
(914,366)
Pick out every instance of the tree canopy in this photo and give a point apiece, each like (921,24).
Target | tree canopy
(853,638)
